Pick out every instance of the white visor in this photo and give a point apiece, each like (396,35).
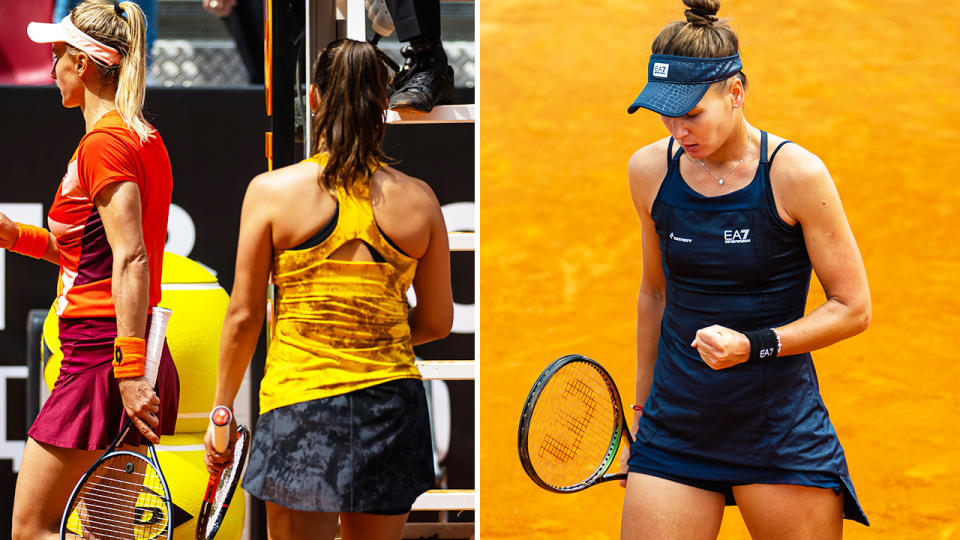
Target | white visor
(66,32)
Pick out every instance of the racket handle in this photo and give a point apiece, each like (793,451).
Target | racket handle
(221,417)
(155,339)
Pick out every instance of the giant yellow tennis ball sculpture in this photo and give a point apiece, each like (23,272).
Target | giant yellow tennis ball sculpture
(199,304)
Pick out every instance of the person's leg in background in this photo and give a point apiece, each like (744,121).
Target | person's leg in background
(426,78)
(245,23)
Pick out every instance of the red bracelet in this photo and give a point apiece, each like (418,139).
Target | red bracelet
(638,408)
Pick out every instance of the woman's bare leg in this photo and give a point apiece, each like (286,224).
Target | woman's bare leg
(47,476)
(788,512)
(358,526)
(656,508)
(287,524)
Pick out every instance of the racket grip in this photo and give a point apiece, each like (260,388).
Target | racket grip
(155,339)
(221,417)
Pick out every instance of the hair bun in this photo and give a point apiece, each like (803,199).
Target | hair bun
(701,16)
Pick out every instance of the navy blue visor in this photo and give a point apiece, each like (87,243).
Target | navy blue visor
(675,84)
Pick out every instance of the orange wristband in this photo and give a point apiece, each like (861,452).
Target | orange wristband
(31,240)
(129,357)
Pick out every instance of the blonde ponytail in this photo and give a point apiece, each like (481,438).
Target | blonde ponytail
(133,72)
(126,33)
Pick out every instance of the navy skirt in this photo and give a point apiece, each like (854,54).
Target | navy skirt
(721,477)
(368,451)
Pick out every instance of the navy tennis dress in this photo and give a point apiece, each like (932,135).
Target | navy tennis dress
(730,260)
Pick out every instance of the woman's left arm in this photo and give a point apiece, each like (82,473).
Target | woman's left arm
(119,207)
(806,194)
(810,197)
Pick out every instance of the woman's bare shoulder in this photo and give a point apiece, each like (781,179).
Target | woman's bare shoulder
(793,164)
(276,191)
(284,179)
(646,169)
(400,189)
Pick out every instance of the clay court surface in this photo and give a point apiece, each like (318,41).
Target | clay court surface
(873,88)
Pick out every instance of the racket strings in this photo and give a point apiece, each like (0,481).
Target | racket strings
(115,508)
(227,482)
(224,484)
(103,532)
(123,498)
(577,424)
(574,424)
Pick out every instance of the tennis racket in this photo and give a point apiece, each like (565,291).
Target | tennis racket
(124,494)
(571,426)
(220,487)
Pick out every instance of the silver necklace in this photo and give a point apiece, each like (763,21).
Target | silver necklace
(720,179)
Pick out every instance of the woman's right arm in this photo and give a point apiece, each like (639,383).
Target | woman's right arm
(9,234)
(245,312)
(650,304)
(247,307)
(645,171)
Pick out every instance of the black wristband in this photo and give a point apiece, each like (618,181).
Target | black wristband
(763,345)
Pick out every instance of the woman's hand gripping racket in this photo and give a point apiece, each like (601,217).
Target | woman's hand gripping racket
(571,426)
(221,486)
(124,494)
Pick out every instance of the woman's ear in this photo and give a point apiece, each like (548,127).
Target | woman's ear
(737,93)
(82,62)
(314,97)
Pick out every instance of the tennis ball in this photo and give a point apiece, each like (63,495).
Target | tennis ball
(199,305)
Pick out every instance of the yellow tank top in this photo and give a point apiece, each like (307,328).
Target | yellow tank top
(339,325)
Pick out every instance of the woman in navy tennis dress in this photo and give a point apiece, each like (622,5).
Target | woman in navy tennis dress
(734,220)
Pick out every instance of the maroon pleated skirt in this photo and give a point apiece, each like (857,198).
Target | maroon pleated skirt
(84,409)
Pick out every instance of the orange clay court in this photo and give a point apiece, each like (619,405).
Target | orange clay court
(873,88)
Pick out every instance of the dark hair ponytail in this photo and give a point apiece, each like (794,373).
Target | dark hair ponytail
(701,12)
(349,121)
(702,35)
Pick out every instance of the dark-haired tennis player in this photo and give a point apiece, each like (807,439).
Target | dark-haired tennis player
(733,220)
(344,430)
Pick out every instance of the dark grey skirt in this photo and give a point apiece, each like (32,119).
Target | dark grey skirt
(365,451)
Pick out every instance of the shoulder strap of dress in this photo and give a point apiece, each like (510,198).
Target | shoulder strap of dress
(670,151)
(319,158)
(671,155)
(763,147)
(777,149)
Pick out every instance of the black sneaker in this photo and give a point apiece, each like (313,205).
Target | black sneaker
(425,80)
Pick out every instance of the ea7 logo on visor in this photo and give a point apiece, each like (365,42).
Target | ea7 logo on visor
(660,69)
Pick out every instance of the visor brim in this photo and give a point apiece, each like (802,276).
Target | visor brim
(45,32)
(669,99)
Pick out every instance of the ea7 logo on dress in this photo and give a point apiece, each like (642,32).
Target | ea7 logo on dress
(660,70)
(736,236)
